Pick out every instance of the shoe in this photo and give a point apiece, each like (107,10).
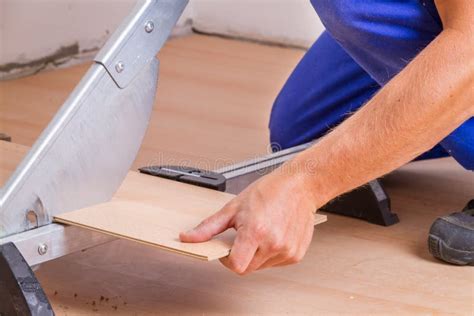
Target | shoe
(451,237)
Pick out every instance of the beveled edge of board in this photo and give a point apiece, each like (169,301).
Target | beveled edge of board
(120,236)
(319,219)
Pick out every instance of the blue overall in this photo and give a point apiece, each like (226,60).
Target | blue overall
(365,44)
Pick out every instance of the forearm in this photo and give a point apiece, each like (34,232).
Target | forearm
(419,107)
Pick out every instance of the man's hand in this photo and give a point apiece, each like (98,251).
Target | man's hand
(274,222)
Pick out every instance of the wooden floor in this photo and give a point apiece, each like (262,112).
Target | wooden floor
(212,109)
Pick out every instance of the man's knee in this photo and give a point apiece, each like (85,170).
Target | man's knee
(339,17)
(279,125)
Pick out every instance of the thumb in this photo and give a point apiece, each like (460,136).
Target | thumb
(209,227)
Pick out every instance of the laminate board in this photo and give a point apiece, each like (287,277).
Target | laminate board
(154,211)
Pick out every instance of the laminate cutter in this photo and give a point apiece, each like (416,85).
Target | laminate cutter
(70,166)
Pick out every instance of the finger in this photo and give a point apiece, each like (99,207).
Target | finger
(272,262)
(272,251)
(292,236)
(242,252)
(302,249)
(210,227)
(273,259)
(258,260)
(276,260)
(283,259)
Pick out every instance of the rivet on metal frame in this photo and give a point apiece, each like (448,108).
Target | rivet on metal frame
(119,67)
(42,249)
(149,26)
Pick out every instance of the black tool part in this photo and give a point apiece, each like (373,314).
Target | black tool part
(202,178)
(20,291)
(369,202)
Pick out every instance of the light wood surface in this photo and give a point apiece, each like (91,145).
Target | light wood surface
(214,102)
(10,156)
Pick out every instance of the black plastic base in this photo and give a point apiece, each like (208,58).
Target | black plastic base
(369,202)
(20,291)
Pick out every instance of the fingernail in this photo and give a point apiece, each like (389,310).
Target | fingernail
(240,271)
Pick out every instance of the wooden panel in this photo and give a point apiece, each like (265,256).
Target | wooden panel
(154,211)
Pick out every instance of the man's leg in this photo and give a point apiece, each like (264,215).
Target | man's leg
(326,86)
(323,89)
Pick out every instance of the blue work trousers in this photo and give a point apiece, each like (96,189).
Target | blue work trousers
(365,44)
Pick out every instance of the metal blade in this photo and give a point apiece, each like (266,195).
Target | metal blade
(85,152)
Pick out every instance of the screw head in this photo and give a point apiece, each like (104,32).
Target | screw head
(119,67)
(149,26)
(42,249)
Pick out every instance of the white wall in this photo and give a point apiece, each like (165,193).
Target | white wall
(36,29)
(32,32)
(288,22)
(40,27)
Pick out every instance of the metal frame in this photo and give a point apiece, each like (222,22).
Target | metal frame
(240,175)
(54,241)
(139,38)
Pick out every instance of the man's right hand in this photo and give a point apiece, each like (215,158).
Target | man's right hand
(274,221)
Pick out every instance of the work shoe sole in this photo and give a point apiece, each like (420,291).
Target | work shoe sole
(451,237)
(439,249)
